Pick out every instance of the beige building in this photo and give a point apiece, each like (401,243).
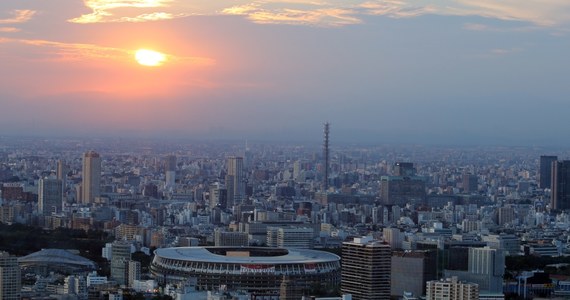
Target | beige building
(91,185)
(451,289)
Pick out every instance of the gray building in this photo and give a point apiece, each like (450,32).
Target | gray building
(411,270)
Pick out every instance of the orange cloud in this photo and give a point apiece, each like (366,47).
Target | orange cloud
(18,16)
(102,11)
(9,29)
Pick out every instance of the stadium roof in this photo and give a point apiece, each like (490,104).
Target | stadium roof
(209,254)
(56,257)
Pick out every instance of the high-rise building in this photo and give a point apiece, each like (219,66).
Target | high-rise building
(230,238)
(62,170)
(91,186)
(560,198)
(451,289)
(235,181)
(411,270)
(393,237)
(120,257)
(486,267)
(545,176)
(50,196)
(10,278)
(404,169)
(170,171)
(470,183)
(134,272)
(326,156)
(366,266)
(290,237)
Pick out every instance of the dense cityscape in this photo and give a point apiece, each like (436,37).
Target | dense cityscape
(162,219)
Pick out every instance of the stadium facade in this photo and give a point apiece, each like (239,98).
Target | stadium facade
(256,270)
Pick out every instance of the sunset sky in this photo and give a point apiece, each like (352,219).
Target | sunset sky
(395,71)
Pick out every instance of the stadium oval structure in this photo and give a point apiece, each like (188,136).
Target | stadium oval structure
(58,260)
(257,270)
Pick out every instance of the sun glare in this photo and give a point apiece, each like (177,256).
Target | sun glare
(149,58)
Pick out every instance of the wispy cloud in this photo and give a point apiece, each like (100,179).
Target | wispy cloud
(85,52)
(102,11)
(503,51)
(326,17)
(9,29)
(18,16)
(327,13)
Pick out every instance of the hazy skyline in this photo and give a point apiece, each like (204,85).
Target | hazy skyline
(450,72)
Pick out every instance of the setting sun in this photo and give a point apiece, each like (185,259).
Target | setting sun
(149,58)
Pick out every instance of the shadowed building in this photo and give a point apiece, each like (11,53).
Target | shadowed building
(546,171)
(411,270)
(560,198)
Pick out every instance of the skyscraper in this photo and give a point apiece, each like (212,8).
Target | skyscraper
(326,158)
(366,266)
(10,278)
(170,171)
(546,171)
(50,196)
(234,181)
(91,185)
(62,170)
(560,197)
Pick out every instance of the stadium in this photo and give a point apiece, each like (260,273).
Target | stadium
(256,270)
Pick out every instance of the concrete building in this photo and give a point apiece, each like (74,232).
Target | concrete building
(120,257)
(366,265)
(91,183)
(235,182)
(290,237)
(393,237)
(50,197)
(486,267)
(470,183)
(170,171)
(411,270)
(230,238)
(134,272)
(10,278)
(451,289)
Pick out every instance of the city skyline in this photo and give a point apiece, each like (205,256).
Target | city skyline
(448,72)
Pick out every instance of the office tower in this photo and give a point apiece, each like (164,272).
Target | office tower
(170,171)
(50,196)
(411,270)
(218,196)
(10,278)
(505,215)
(91,177)
(230,238)
(489,265)
(545,179)
(62,170)
(451,289)
(404,169)
(366,267)
(290,237)
(398,190)
(120,257)
(326,158)
(393,237)
(470,183)
(560,198)
(234,181)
